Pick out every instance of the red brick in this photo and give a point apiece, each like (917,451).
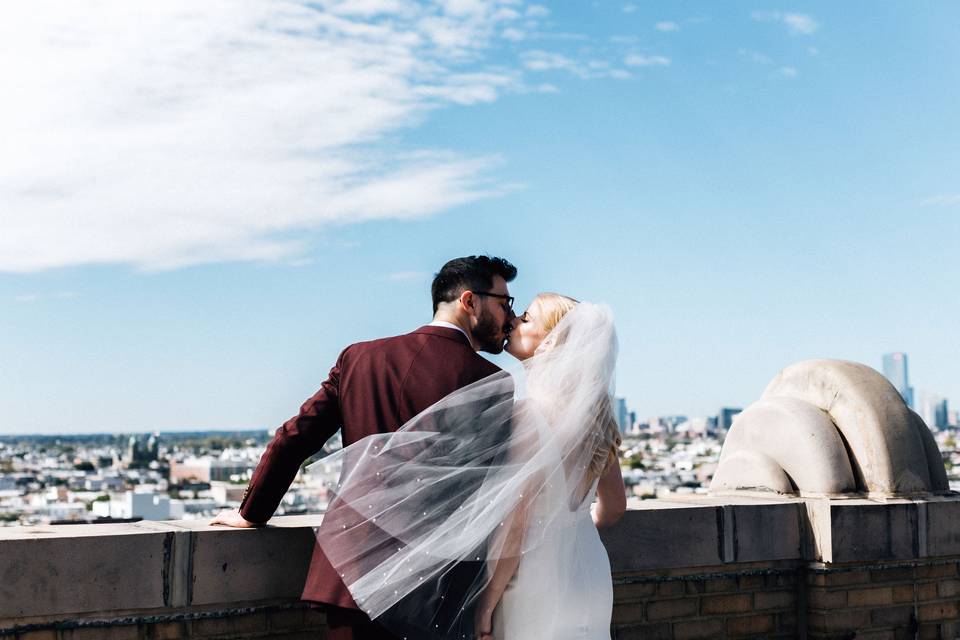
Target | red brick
(787,622)
(937,571)
(695,587)
(116,632)
(948,588)
(733,603)
(844,578)
(925,591)
(896,574)
(848,620)
(627,613)
(870,597)
(632,592)
(876,635)
(938,630)
(783,580)
(823,599)
(672,588)
(236,625)
(659,631)
(750,625)
(668,609)
(892,616)
(711,628)
(751,582)
(286,620)
(39,634)
(937,611)
(904,593)
(169,631)
(774,600)
(720,585)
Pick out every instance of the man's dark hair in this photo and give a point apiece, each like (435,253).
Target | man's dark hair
(472,273)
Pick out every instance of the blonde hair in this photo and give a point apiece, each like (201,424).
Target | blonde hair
(608,440)
(553,307)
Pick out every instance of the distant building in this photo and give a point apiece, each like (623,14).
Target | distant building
(934,410)
(895,370)
(667,424)
(140,454)
(725,417)
(148,505)
(209,470)
(621,414)
(226,493)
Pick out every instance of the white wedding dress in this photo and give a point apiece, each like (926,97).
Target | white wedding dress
(562,589)
(419,514)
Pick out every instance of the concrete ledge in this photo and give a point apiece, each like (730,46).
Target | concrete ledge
(54,572)
(704,531)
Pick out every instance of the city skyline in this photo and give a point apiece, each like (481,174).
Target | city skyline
(626,416)
(746,187)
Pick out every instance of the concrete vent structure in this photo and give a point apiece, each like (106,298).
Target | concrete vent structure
(830,427)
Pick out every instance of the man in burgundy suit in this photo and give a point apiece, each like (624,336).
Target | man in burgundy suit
(375,387)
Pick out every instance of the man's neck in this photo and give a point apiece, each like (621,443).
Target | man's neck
(452,319)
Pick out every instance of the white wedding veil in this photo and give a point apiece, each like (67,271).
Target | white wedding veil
(420,517)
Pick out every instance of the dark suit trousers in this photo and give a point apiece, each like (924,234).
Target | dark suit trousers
(350,624)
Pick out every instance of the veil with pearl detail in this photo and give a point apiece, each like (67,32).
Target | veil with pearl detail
(420,517)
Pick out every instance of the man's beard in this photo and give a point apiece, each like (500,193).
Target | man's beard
(488,334)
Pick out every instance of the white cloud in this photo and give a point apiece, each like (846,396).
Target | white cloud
(754,56)
(513,35)
(537,11)
(667,26)
(539,60)
(950,200)
(788,72)
(800,23)
(177,133)
(543,61)
(796,23)
(629,8)
(636,60)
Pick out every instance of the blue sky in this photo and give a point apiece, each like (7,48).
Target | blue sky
(203,204)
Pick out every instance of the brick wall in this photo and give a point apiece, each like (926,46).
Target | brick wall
(754,602)
(284,622)
(895,601)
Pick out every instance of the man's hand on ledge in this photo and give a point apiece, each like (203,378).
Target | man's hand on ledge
(232,519)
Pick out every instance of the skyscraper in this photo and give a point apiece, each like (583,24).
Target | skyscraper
(725,417)
(934,410)
(895,370)
(620,407)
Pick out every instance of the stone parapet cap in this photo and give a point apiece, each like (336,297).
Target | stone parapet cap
(36,532)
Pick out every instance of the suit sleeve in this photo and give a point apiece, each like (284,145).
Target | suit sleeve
(295,441)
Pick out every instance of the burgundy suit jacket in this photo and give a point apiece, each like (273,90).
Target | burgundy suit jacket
(375,387)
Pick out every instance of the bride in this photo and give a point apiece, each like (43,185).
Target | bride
(477,518)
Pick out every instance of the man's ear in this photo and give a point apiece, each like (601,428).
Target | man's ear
(467,299)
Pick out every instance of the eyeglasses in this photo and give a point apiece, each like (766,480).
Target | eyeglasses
(509,299)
